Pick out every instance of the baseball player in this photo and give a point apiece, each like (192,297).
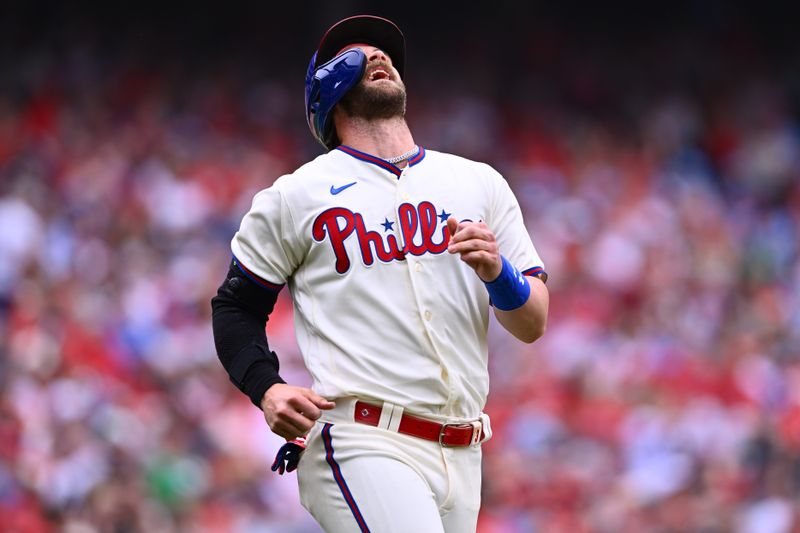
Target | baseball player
(394,256)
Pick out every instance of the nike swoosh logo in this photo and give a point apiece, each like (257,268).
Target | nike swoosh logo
(337,190)
(335,85)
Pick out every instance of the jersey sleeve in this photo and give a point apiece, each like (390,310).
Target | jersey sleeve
(513,239)
(266,247)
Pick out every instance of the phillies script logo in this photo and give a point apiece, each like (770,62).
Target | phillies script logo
(338,224)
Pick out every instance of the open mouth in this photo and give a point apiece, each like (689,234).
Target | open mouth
(379,74)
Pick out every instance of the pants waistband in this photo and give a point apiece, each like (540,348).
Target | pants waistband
(391,417)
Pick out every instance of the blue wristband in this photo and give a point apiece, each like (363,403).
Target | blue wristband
(510,290)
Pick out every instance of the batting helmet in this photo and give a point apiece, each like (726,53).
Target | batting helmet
(330,74)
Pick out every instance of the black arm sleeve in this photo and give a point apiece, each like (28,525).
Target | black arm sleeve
(240,311)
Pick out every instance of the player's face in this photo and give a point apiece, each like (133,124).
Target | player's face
(380,93)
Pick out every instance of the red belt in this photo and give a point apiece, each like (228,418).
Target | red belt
(448,434)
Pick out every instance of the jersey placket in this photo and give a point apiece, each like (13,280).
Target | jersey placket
(417,275)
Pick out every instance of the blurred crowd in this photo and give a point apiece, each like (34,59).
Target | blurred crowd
(664,397)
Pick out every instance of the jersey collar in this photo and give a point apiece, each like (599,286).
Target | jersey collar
(377,161)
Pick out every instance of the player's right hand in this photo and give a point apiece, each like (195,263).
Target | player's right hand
(291,411)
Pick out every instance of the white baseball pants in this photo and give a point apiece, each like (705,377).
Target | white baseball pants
(356,478)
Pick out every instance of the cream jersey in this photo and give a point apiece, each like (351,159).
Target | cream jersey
(382,310)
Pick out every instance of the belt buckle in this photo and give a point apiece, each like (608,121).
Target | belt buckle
(476,426)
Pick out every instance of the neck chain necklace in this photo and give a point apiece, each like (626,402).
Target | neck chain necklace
(403,157)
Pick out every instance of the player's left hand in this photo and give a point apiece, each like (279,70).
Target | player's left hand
(476,244)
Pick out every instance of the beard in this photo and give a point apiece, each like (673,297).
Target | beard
(370,103)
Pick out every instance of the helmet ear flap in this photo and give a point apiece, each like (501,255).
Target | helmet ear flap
(311,97)
(325,86)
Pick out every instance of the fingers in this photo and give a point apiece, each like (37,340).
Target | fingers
(318,400)
(472,237)
(305,407)
(452,225)
(291,411)
(291,428)
(477,246)
(472,245)
(465,231)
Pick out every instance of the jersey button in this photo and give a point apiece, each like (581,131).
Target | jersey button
(428,315)
(418,267)
(405,196)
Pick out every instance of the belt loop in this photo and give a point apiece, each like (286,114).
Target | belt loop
(386,415)
(487,427)
(477,430)
(397,416)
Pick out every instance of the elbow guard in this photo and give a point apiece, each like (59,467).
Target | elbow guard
(240,311)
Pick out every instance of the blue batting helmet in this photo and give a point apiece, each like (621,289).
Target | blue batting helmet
(330,74)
